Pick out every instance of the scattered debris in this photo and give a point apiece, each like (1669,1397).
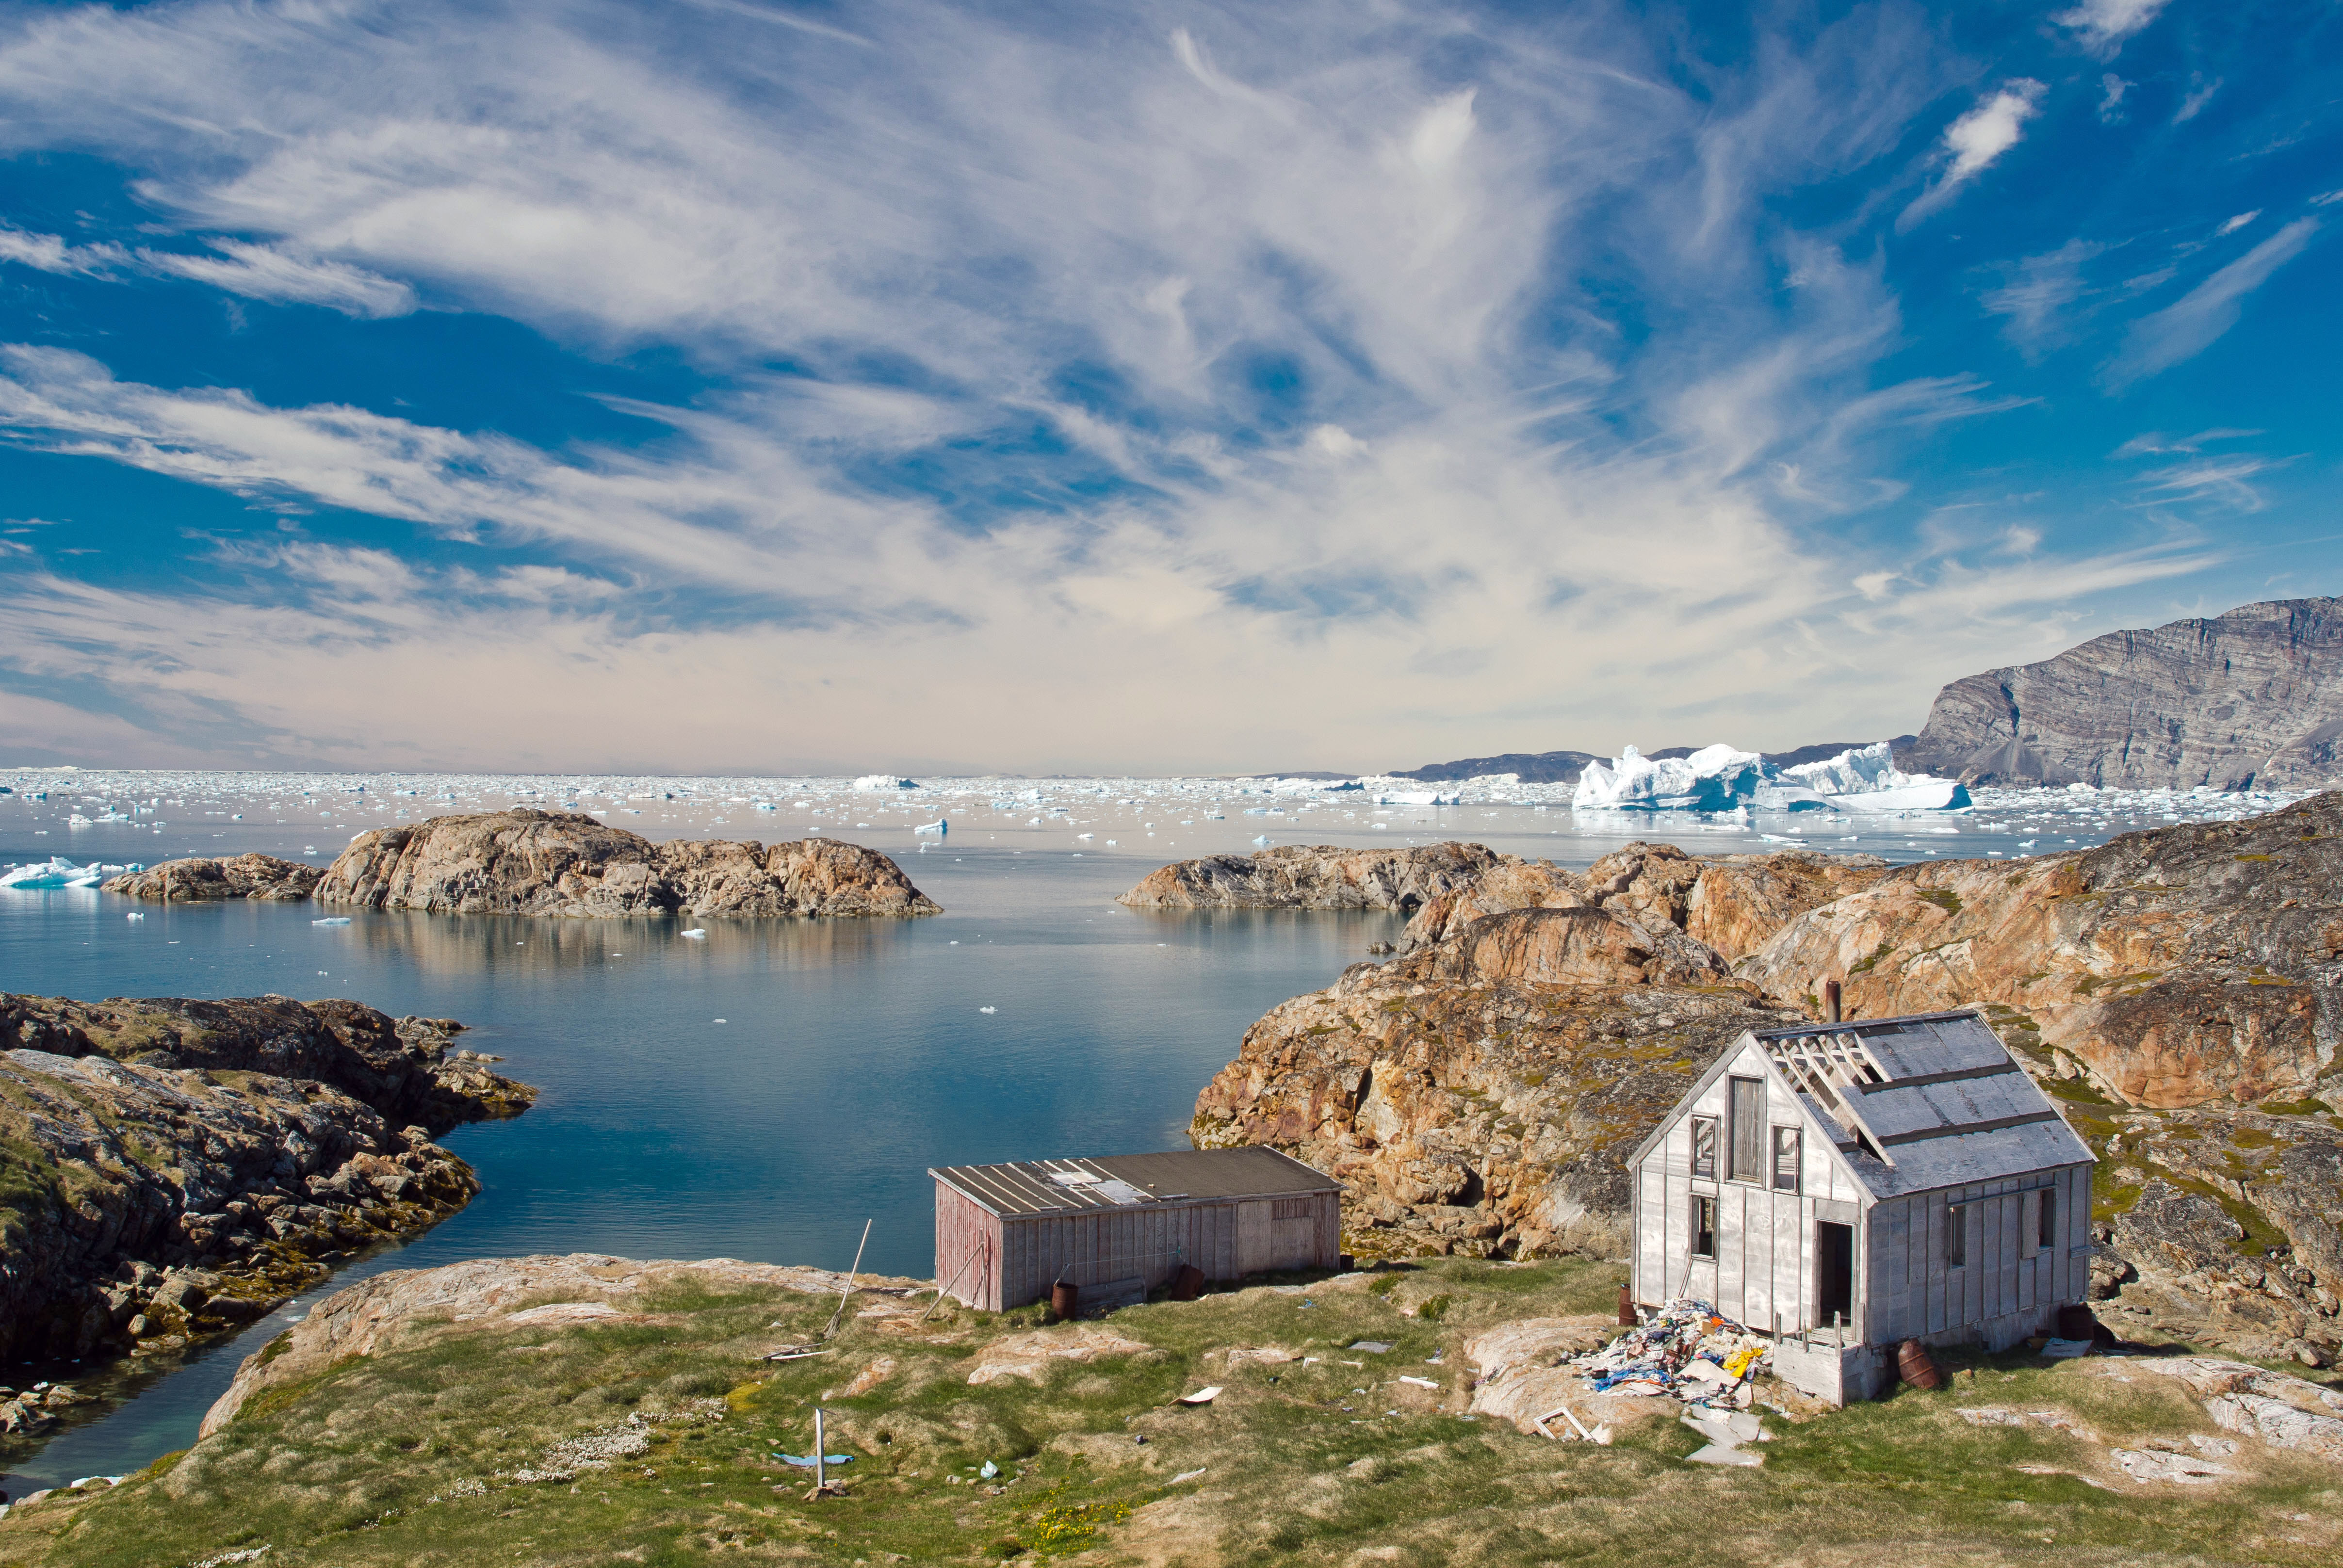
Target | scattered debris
(1725,1434)
(1681,1347)
(1419,1382)
(1202,1396)
(1373,1347)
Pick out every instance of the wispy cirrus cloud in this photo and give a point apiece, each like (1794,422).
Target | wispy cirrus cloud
(2192,323)
(1102,352)
(238,267)
(2102,26)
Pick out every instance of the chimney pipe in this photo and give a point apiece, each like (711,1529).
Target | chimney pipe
(1831,1000)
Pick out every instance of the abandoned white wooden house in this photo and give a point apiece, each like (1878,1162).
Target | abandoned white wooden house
(1848,1186)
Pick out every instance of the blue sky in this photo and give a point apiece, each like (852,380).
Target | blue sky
(723,384)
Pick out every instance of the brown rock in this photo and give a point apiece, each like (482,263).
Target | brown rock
(1570,947)
(2179,967)
(528,862)
(203,881)
(1510,884)
(1741,901)
(1324,878)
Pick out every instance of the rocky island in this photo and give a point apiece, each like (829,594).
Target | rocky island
(531,862)
(206,880)
(1321,878)
(171,1167)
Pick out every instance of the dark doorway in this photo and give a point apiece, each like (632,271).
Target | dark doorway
(1834,1272)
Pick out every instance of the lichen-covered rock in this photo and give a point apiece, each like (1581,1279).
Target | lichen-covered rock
(528,862)
(205,879)
(2178,967)
(1469,1106)
(173,1168)
(1731,903)
(1293,877)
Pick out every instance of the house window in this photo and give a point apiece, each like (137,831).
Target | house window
(1704,1147)
(2046,1219)
(1786,1146)
(1748,1111)
(1957,1236)
(1704,1227)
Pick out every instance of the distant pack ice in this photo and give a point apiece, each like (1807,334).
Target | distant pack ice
(1863,778)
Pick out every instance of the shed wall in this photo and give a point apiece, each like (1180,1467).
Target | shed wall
(1763,1274)
(968,1247)
(2009,1285)
(1227,1239)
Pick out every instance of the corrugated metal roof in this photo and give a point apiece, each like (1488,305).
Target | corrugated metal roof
(1195,1175)
(1930,1100)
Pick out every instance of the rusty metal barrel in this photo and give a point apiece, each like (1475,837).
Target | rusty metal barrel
(1627,1308)
(1063,1298)
(1912,1365)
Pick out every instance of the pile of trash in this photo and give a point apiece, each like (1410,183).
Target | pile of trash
(1682,1348)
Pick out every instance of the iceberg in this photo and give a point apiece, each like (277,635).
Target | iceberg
(1865,778)
(1420,798)
(943,824)
(885,781)
(1712,779)
(1716,779)
(57,873)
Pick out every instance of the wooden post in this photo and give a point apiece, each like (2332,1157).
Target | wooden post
(843,1295)
(820,1479)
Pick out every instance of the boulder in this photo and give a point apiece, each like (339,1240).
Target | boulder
(529,862)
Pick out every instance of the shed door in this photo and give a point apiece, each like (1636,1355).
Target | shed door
(1256,1237)
(1834,1273)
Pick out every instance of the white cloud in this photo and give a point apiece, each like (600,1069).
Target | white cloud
(2104,24)
(1479,467)
(1976,140)
(2201,93)
(54,253)
(2038,295)
(2231,225)
(263,272)
(2192,323)
(2112,89)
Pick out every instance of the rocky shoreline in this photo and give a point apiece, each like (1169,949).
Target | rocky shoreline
(1323,877)
(529,862)
(172,1169)
(2175,991)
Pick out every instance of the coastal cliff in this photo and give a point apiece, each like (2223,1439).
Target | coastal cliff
(2252,699)
(171,1167)
(210,880)
(528,862)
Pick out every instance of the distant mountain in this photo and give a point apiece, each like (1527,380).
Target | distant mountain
(1565,767)
(2253,698)
(1541,767)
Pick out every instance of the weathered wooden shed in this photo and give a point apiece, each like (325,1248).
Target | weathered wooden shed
(1117,1227)
(1847,1186)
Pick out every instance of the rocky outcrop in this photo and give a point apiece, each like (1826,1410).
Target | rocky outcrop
(2253,699)
(484,1294)
(1322,878)
(1731,903)
(176,1167)
(527,862)
(1480,1095)
(208,881)
(2177,967)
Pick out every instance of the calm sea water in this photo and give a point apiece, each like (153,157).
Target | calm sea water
(760,1092)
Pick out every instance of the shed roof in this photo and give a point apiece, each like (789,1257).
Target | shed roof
(1932,1100)
(1179,1175)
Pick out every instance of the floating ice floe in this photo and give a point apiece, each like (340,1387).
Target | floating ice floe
(1424,796)
(697,934)
(333,920)
(941,825)
(1863,778)
(61,873)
